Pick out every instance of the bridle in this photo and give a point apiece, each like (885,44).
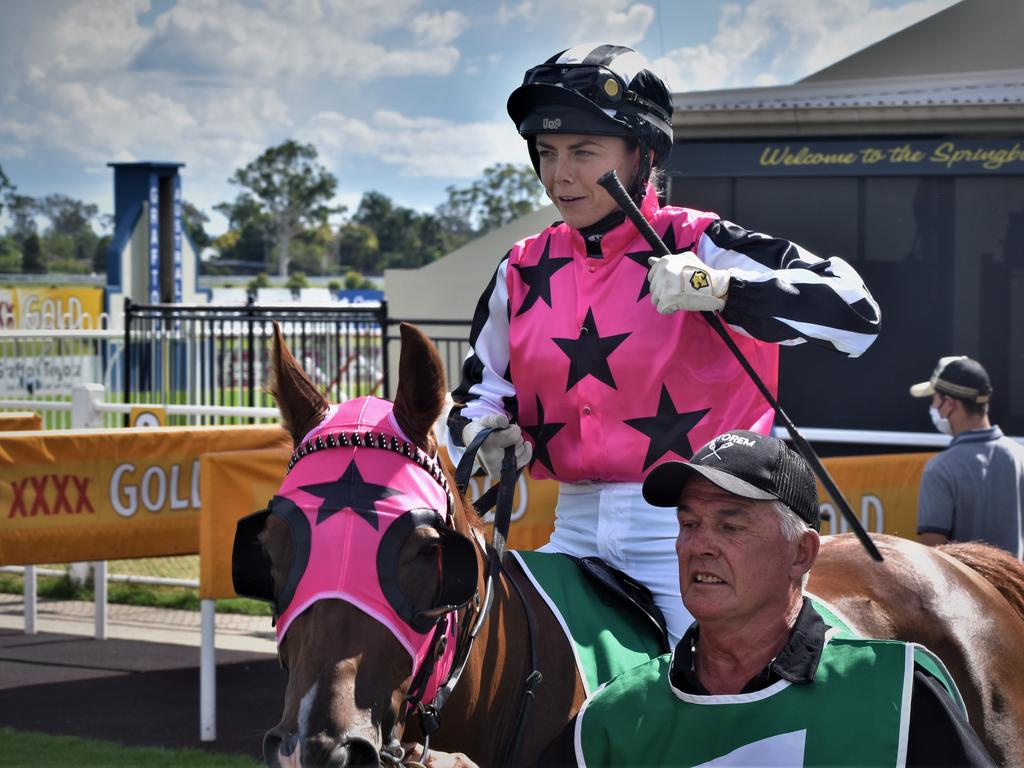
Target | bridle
(499,496)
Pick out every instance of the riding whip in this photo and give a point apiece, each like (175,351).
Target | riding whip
(612,185)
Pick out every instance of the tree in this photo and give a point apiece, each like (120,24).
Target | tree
(22,210)
(291,189)
(6,189)
(358,247)
(68,216)
(505,193)
(32,255)
(194,221)
(10,255)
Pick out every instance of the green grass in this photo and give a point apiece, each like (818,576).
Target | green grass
(22,749)
(159,596)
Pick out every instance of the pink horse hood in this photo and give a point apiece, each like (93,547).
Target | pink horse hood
(352,497)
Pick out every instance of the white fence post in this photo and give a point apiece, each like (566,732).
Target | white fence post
(208,671)
(84,399)
(99,586)
(85,414)
(29,579)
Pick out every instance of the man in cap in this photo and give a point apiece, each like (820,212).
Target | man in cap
(974,490)
(756,680)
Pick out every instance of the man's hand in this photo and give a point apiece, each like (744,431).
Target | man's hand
(682,281)
(493,449)
(435,759)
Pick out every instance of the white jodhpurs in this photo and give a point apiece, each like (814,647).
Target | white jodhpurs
(612,521)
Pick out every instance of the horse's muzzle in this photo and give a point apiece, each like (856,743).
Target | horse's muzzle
(282,750)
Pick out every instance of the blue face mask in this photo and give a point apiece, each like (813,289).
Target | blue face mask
(940,423)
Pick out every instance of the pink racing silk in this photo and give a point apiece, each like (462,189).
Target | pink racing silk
(608,388)
(351,497)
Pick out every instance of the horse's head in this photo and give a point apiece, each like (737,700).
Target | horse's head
(359,553)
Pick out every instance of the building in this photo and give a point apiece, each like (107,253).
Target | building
(906,159)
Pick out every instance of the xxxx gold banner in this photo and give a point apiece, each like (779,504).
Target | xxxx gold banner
(235,483)
(882,491)
(105,494)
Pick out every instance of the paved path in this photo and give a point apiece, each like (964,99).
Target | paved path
(140,686)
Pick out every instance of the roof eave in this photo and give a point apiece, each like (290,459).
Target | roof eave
(861,120)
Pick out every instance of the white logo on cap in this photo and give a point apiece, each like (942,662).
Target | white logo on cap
(552,124)
(726,441)
(714,449)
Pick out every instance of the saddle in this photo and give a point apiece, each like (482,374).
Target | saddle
(617,589)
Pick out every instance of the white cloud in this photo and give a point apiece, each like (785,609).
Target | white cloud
(417,146)
(507,13)
(97,36)
(228,38)
(599,21)
(772,41)
(438,28)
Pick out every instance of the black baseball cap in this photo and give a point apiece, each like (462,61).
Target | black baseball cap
(748,464)
(959,377)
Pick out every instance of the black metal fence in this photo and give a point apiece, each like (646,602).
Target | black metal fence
(220,356)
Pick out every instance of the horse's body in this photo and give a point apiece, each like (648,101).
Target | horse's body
(348,676)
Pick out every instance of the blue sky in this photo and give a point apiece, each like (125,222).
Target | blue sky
(404,96)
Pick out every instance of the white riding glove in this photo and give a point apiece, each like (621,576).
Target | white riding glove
(682,281)
(493,449)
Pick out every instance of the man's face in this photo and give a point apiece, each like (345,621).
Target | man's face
(735,564)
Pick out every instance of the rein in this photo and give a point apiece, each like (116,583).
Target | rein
(498,496)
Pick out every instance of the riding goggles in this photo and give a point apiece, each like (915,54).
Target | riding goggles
(596,83)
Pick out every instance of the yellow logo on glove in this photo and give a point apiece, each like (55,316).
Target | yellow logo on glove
(699,279)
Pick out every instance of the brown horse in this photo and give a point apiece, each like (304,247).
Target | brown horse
(348,676)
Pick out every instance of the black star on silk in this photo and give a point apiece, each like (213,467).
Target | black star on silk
(538,278)
(669,430)
(542,432)
(640,257)
(588,353)
(349,491)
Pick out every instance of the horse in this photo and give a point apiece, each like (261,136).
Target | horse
(352,688)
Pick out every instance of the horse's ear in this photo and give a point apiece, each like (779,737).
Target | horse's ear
(301,404)
(421,388)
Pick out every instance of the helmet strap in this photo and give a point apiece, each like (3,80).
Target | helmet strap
(638,189)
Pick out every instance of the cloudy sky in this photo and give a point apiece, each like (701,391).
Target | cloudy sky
(404,96)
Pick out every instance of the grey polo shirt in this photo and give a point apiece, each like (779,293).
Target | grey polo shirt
(974,491)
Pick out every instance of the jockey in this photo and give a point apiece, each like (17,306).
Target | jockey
(592,353)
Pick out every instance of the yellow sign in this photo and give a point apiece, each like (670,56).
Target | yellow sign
(881,490)
(36,307)
(147,416)
(105,494)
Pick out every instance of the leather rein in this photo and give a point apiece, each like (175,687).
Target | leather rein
(498,496)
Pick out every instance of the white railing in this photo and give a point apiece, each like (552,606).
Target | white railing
(87,408)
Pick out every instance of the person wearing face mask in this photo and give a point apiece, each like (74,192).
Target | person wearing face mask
(591,352)
(974,490)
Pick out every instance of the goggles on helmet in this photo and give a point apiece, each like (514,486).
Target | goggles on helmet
(594,82)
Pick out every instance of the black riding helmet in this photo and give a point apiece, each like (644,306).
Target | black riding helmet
(596,89)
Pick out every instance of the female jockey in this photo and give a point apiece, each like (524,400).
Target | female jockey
(598,362)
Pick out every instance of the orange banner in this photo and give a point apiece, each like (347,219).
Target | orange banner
(105,494)
(20,421)
(882,490)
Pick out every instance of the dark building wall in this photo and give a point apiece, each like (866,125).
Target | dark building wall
(943,254)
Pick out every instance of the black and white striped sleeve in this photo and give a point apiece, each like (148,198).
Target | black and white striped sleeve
(485,386)
(781,293)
